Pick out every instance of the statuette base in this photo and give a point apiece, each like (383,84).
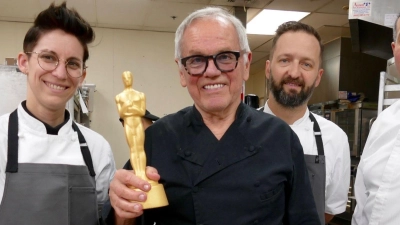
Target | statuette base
(156,197)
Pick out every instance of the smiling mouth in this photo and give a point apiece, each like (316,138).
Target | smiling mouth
(213,86)
(54,86)
(293,84)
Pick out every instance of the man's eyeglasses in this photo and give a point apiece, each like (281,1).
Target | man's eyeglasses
(196,65)
(49,61)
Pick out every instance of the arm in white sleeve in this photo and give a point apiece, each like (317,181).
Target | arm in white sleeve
(361,197)
(336,195)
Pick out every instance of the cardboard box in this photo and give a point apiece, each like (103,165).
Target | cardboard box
(11,62)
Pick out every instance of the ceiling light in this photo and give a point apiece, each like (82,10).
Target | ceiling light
(267,21)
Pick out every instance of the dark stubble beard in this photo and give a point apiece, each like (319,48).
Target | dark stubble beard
(291,99)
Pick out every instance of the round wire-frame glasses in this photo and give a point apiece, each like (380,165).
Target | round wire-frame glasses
(49,61)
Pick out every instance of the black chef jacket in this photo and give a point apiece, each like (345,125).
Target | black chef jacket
(255,174)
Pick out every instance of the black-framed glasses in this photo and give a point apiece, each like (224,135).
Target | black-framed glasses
(196,65)
(49,61)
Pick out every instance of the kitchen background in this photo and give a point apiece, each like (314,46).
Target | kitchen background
(138,35)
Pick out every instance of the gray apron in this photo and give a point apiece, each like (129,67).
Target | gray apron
(317,171)
(47,194)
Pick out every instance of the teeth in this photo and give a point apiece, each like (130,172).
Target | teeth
(56,87)
(213,86)
(292,84)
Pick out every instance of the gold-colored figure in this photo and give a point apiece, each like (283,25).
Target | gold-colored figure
(131,106)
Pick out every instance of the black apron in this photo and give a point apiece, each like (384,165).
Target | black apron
(317,171)
(48,194)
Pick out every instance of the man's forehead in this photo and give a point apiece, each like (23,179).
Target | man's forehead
(291,37)
(204,40)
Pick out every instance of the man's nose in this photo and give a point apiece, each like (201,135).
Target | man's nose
(294,70)
(212,69)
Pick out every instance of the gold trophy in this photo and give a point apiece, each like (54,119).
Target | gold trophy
(132,107)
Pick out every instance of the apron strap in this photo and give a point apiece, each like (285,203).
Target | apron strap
(12,143)
(85,150)
(317,135)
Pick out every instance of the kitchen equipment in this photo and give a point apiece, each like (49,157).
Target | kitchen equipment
(356,123)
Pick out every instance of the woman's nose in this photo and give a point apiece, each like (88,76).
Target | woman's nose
(61,70)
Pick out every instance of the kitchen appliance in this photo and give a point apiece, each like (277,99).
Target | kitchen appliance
(356,123)
(371,25)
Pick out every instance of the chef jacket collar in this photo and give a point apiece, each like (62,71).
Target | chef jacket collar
(49,129)
(304,118)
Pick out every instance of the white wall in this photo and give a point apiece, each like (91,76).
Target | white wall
(148,55)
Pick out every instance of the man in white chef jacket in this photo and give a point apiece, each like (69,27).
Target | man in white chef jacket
(377,186)
(294,70)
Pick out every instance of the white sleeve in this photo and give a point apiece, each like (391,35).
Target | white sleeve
(336,195)
(105,173)
(3,164)
(361,197)
(3,152)
(360,190)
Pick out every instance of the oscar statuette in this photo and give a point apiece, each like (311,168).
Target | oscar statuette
(131,106)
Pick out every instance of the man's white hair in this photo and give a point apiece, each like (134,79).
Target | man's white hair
(213,13)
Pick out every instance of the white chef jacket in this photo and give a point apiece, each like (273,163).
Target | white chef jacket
(36,146)
(377,186)
(337,157)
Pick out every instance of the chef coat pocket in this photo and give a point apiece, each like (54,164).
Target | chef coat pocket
(272,195)
(82,206)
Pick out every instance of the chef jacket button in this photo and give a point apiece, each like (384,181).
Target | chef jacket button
(257,184)
(73,138)
(307,129)
(251,149)
(188,153)
(21,135)
(195,189)
(248,119)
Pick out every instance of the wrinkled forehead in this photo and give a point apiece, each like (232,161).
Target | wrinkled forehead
(209,33)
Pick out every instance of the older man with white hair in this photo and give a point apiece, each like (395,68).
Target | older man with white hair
(220,161)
